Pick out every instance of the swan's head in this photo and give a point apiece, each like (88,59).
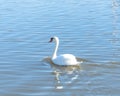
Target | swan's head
(54,39)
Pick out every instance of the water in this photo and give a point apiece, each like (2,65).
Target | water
(89,29)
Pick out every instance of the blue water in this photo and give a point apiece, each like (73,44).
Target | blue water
(89,29)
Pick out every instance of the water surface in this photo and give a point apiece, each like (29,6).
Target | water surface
(89,29)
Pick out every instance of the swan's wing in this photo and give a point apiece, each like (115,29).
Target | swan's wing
(65,59)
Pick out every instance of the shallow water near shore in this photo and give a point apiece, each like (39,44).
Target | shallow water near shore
(89,29)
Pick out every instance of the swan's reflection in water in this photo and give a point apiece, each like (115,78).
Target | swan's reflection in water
(64,74)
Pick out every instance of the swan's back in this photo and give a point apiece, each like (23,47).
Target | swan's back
(65,59)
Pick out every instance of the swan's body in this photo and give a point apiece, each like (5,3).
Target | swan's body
(63,59)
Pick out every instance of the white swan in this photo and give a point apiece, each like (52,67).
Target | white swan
(63,59)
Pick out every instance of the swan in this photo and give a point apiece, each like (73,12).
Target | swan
(63,59)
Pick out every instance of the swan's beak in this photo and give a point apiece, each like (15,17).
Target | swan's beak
(51,39)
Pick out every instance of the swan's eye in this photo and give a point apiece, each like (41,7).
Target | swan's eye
(51,39)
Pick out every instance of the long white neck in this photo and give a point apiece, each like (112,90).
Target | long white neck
(56,48)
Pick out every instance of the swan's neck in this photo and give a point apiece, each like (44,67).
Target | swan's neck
(55,50)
